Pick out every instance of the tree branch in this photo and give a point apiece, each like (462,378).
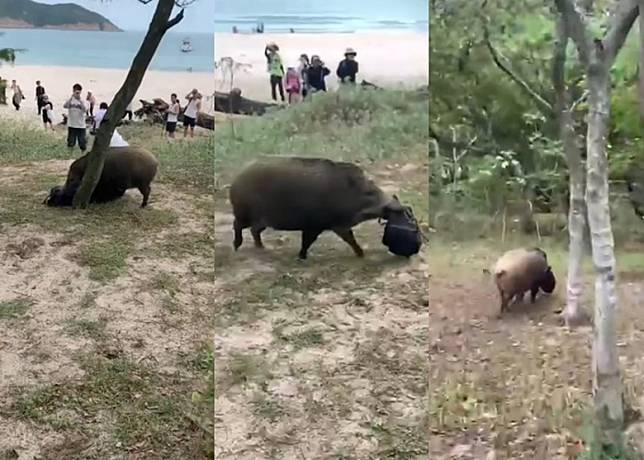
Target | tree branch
(450,144)
(576,28)
(559,67)
(176,20)
(622,21)
(496,57)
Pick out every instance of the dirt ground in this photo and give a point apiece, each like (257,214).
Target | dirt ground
(104,319)
(518,387)
(325,358)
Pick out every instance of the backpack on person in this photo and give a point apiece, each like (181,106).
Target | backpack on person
(402,234)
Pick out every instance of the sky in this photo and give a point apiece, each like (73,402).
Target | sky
(133,15)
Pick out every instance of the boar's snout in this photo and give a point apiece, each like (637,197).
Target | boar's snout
(391,207)
(58,196)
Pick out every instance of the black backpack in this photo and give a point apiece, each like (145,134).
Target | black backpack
(402,235)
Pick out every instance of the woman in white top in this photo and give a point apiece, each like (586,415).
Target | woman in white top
(116,140)
(173,116)
(191,112)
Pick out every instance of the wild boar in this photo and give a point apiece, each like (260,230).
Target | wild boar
(311,195)
(521,270)
(125,168)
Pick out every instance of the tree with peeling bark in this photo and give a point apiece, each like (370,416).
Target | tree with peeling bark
(159,25)
(598,55)
(561,109)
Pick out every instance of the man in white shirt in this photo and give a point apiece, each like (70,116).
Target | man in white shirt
(76,126)
(173,116)
(191,112)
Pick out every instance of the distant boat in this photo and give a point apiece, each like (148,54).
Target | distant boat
(186,46)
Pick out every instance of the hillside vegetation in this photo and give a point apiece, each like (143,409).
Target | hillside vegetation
(27,13)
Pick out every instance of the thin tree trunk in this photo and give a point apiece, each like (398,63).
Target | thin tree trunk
(96,157)
(572,314)
(607,387)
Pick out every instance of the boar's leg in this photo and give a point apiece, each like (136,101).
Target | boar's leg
(533,292)
(237,226)
(347,235)
(145,191)
(505,300)
(256,231)
(308,238)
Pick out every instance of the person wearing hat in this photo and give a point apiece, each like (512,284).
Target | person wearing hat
(275,70)
(348,67)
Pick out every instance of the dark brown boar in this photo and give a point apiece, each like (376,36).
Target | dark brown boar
(310,195)
(124,168)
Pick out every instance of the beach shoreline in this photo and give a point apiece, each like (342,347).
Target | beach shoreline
(389,57)
(104,83)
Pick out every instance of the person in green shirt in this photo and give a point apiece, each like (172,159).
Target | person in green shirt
(275,70)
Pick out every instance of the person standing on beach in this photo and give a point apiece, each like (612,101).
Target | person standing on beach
(303,70)
(348,67)
(40,92)
(91,100)
(47,110)
(191,113)
(275,69)
(17,94)
(293,85)
(173,116)
(76,125)
(316,74)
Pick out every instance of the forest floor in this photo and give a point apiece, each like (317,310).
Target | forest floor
(105,314)
(325,358)
(518,387)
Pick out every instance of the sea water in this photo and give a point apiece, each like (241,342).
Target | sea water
(107,50)
(315,16)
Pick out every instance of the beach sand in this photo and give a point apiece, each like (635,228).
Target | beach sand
(104,83)
(386,58)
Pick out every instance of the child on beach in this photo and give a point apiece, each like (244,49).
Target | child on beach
(293,86)
(91,100)
(303,70)
(76,125)
(275,70)
(47,111)
(173,116)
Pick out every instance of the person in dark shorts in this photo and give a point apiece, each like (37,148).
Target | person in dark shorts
(191,112)
(173,116)
(40,91)
(76,125)
(47,110)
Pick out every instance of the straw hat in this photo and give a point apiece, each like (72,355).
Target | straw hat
(349,51)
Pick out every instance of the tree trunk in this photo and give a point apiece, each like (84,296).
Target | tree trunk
(607,389)
(96,157)
(572,314)
(641,63)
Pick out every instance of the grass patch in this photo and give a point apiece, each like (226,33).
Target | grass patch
(89,329)
(311,337)
(242,369)
(267,407)
(147,408)
(346,125)
(14,309)
(106,260)
(187,244)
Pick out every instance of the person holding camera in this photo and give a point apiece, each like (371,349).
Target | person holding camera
(316,74)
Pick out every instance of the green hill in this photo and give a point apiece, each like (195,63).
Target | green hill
(27,14)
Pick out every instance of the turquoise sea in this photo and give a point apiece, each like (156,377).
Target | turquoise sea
(106,49)
(314,16)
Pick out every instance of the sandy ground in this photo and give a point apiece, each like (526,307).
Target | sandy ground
(518,387)
(324,358)
(103,83)
(53,312)
(385,57)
